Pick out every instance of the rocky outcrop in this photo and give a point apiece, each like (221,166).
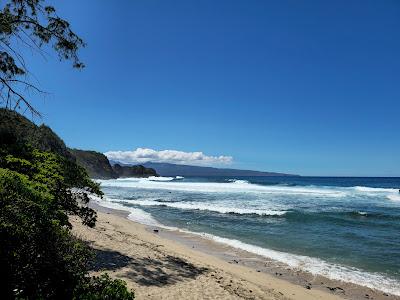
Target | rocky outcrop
(98,166)
(95,163)
(16,130)
(134,171)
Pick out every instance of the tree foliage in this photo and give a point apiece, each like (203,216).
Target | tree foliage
(40,183)
(102,287)
(39,257)
(30,24)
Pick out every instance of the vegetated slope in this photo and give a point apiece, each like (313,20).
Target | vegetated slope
(19,130)
(134,171)
(41,186)
(95,163)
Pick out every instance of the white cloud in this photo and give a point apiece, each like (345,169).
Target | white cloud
(142,155)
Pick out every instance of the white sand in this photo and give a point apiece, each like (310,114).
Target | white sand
(159,268)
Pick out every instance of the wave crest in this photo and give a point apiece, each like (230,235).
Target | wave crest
(239,181)
(206,207)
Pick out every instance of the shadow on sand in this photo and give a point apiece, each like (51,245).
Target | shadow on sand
(164,270)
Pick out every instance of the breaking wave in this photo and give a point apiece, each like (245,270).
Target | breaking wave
(313,265)
(206,207)
(237,186)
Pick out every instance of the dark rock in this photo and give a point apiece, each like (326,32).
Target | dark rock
(133,171)
(96,164)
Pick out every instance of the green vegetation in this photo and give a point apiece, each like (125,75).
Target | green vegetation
(41,184)
(36,26)
(134,171)
(98,166)
(17,130)
(39,190)
(95,163)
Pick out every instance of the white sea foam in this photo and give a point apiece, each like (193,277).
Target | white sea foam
(139,179)
(374,190)
(159,178)
(223,209)
(243,186)
(362,213)
(227,187)
(389,193)
(135,214)
(238,181)
(394,197)
(315,266)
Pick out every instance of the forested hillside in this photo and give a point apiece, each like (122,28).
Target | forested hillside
(41,185)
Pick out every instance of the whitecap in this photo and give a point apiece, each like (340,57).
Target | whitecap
(135,214)
(167,183)
(374,190)
(238,181)
(315,266)
(223,209)
(394,197)
(159,178)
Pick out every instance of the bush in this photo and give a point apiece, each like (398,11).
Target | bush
(39,257)
(103,287)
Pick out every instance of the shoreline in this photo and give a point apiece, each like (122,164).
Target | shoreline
(277,275)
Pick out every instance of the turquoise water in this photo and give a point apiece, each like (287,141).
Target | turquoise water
(343,228)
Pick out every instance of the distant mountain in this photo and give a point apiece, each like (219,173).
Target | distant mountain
(167,169)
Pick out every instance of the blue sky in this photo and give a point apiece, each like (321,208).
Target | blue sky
(307,87)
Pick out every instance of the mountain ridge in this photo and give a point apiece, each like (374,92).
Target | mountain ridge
(169,169)
(16,129)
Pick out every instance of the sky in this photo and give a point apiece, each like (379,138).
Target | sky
(303,87)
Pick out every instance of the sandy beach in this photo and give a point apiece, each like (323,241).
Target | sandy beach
(159,264)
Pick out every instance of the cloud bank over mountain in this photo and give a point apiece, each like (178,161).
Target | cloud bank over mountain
(143,155)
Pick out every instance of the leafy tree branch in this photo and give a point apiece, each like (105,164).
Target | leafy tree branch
(34,25)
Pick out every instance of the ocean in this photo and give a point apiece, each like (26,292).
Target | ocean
(343,228)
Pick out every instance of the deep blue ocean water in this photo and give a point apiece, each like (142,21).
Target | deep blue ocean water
(341,227)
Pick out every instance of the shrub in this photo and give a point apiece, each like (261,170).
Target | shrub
(103,287)
(39,257)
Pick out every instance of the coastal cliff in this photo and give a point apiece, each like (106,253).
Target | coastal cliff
(134,171)
(16,129)
(95,163)
(98,166)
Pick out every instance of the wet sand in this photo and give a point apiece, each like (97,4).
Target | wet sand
(165,264)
